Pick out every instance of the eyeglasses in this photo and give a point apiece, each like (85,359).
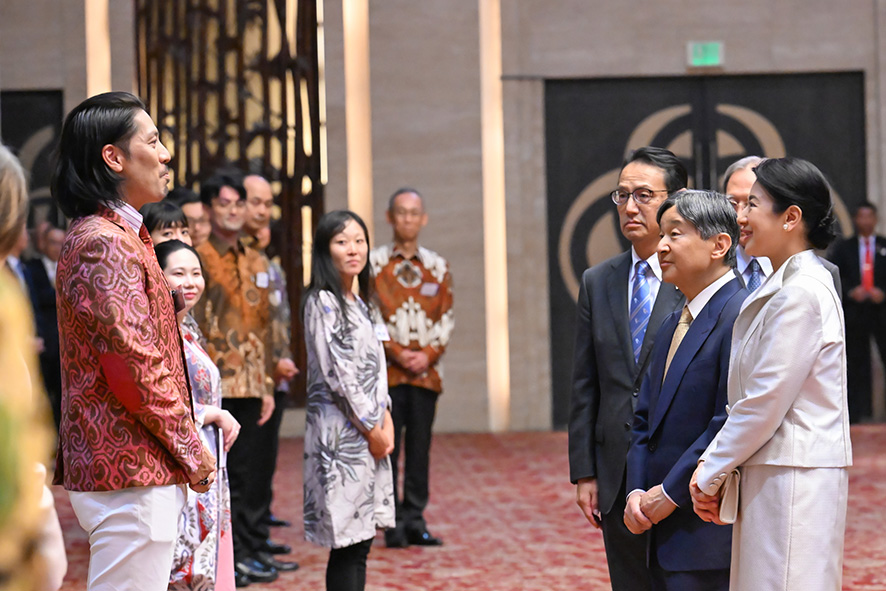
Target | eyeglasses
(641,196)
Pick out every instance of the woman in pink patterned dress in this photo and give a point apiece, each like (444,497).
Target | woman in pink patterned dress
(204,554)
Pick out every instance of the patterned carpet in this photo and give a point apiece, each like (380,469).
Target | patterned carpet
(505,508)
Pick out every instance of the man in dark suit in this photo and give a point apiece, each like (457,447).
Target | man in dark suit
(683,400)
(862,263)
(42,273)
(621,304)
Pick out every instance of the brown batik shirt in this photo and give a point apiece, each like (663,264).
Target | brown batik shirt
(234,316)
(415,300)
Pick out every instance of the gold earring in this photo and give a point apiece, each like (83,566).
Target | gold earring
(785,227)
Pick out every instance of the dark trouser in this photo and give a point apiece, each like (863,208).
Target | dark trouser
(50,368)
(346,569)
(625,552)
(694,580)
(413,411)
(859,329)
(266,461)
(246,488)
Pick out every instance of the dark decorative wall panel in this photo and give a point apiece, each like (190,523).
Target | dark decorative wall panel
(236,82)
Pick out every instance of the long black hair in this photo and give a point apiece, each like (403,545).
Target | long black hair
(81,180)
(324,275)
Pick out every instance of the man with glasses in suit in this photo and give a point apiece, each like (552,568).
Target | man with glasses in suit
(622,303)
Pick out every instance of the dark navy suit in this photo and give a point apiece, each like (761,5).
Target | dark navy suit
(606,384)
(673,424)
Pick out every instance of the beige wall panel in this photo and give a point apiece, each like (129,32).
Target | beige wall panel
(121,22)
(528,305)
(426,133)
(42,46)
(576,38)
(337,148)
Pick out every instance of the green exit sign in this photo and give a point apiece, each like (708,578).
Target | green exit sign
(704,54)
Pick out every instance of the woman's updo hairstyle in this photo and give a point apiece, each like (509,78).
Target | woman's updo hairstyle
(794,181)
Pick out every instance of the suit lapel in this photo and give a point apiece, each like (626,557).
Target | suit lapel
(698,333)
(617,294)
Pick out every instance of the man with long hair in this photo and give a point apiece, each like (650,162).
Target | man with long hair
(127,442)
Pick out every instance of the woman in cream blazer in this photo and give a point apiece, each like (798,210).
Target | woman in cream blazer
(788,426)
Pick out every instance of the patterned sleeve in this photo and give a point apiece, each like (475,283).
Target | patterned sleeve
(280,313)
(112,304)
(351,377)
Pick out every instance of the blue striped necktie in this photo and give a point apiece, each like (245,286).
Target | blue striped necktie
(641,307)
(756,277)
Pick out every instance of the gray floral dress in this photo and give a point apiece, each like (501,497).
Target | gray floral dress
(348,493)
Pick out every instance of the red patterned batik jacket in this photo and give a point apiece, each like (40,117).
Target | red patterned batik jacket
(126,409)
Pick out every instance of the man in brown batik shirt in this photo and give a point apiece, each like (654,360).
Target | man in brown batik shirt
(234,316)
(415,299)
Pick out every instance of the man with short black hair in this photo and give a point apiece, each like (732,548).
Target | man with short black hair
(621,304)
(234,317)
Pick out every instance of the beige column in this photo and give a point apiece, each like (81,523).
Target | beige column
(98,47)
(358,108)
(494,227)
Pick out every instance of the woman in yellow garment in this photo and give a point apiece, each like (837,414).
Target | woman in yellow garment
(24,424)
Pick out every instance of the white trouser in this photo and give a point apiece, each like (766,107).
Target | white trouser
(132,534)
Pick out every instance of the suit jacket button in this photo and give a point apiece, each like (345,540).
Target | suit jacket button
(652,446)
(636,392)
(628,426)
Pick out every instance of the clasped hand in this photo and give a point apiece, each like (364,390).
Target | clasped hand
(706,506)
(381,437)
(645,509)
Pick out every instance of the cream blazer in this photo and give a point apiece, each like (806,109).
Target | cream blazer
(787,378)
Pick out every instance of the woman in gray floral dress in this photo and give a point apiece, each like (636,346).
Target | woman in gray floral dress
(349,491)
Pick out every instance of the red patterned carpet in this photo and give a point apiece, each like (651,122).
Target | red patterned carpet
(505,508)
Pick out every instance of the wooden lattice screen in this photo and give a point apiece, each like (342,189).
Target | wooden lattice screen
(236,82)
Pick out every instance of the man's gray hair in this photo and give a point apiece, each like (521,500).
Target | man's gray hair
(746,162)
(710,212)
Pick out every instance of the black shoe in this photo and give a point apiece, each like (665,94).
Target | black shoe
(256,571)
(270,547)
(241,580)
(280,565)
(396,538)
(275,521)
(423,538)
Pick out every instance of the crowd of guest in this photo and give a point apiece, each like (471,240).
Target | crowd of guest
(710,409)
(163,328)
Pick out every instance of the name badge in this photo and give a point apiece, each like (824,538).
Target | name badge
(429,290)
(381,332)
(262,280)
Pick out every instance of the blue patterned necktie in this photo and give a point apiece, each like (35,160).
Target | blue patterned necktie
(756,277)
(641,307)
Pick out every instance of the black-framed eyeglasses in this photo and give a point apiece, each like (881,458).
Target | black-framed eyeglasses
(641,196)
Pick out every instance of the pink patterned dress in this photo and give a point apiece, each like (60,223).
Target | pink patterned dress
(204,552)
